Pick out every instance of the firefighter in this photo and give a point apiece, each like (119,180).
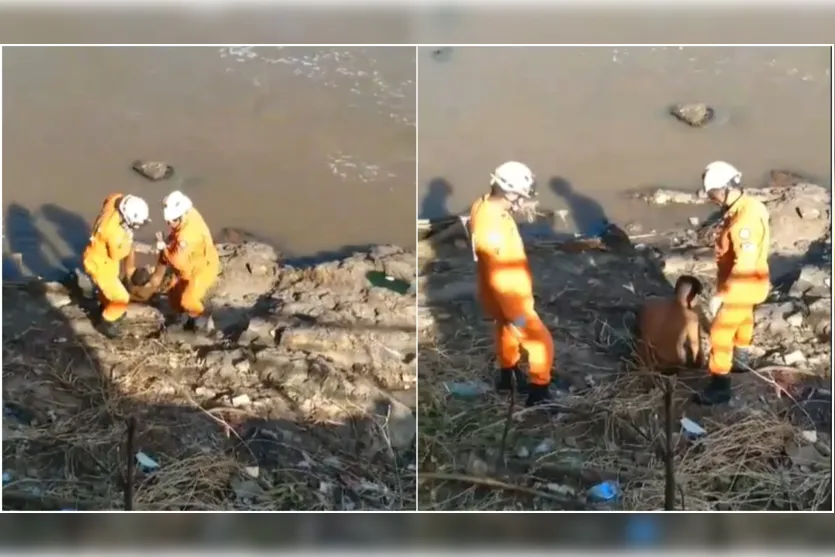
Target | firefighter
(111,243)
(742,277)
(505,285)
(191,254)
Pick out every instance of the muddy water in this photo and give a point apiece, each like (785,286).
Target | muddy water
(592,123)
(310,148)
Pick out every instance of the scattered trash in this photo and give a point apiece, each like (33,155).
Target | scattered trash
(604,492)
(145,462)
(153,170)
(793,358)
(692,428)
(241,400)
(523,452)
(252,471)
(466,389)
(810,435)
(382,280)
(7,477)
(561,489)
(694,221)
(545,447)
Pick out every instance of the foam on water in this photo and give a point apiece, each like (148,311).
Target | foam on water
(357,71)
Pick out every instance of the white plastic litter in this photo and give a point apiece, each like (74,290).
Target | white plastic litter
(692,427)
(146,462)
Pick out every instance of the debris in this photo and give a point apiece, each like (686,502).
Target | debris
(695,115)
(561,489)
(692,428)
(153,170)
(252,471)
(809,435)
(545,447)
(376,278)
(145,462)
(694,221)
(793,358)
(604,492)
(523,452)
(466,389)
(241,400)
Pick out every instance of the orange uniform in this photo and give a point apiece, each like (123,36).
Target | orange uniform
(191,253)
(505,289)
(110,243)
(742,279)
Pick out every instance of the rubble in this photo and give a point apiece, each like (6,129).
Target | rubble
(299,364)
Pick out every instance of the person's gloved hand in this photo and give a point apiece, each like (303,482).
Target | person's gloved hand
(714,306)
(160,242)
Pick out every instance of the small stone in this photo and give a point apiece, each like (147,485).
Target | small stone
(795,320)
(203,392)
(153,170)
(695,115)
(243,366)
(793,358)
(241,400)
(694,221)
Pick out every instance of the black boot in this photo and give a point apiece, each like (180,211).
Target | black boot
(538,394)
(505,377)
(110,329)
(175,322)
(718,391)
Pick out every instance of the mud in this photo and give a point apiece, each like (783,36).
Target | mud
(301,397)
(588,294)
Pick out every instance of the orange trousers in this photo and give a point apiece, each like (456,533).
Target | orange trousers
(113,295)
(732,327)
(533,337)
(187,294)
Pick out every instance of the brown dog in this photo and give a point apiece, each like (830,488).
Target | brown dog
(669,334)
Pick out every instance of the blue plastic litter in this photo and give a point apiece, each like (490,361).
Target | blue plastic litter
(642,530)
(604,492)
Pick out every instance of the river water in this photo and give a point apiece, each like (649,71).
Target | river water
(592,122)
(310,148)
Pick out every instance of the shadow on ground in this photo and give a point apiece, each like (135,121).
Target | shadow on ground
(268,413)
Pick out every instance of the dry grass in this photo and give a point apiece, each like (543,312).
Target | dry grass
(613,430)
(72,453)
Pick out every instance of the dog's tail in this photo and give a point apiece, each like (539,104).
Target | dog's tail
(687,288)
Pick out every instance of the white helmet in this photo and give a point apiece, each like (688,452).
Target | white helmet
(513,177)
(175,205)
(719,174)
(134,210)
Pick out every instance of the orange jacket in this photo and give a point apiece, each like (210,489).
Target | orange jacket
(503,270)
(190,248)
(110,240)
(742,253)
